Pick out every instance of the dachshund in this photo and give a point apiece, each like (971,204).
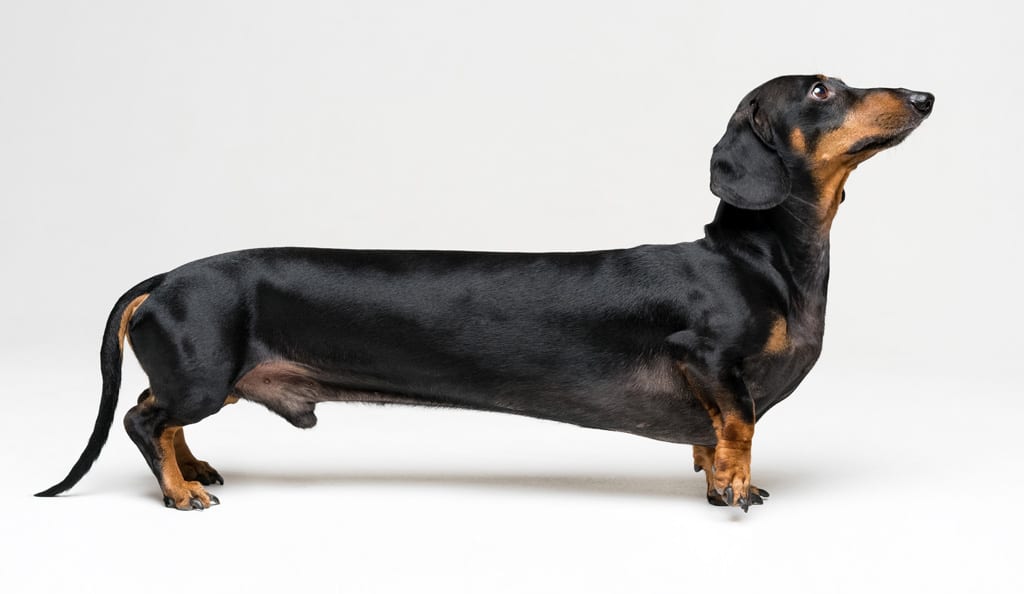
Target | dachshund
(688,343)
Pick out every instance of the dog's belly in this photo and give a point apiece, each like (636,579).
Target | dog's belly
(648,401)
(553,337)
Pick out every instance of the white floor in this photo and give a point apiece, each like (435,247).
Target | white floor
(890,484)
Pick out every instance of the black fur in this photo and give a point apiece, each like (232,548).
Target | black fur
(746,169)
(620,339)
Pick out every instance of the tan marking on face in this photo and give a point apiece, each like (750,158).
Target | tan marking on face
(880,113)
(797,141)
(778,341)
(129,311)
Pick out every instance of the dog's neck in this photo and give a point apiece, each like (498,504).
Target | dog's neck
(790,235)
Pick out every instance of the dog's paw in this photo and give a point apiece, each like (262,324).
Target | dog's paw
(200,471)
(731,480)
(755,496)
(189,495)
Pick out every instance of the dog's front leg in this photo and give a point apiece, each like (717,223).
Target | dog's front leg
(730,409)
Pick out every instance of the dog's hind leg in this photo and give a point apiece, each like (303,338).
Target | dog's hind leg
(192,468)
(155,429)
(704,459)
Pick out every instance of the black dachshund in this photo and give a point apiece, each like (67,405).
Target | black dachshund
(688,343)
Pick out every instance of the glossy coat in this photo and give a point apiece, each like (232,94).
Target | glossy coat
(687,343)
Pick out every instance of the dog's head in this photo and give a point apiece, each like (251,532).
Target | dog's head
(803,135)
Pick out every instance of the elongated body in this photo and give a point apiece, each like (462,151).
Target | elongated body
(575,337)
(688,343)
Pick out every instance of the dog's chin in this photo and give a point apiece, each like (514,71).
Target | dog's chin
(873,144)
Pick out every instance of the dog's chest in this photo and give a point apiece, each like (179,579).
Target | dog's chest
(773,374)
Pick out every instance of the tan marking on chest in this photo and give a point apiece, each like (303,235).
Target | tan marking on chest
(778,337)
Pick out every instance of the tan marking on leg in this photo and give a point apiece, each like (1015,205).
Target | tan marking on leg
(704,459)
(778,340)
(703,456)
(695,389)
(732,457)
(231,400)
(192,468)
(714,414)
(127,316)
(175,487)
(181,451)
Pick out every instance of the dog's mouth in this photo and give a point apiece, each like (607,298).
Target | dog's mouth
(879,142)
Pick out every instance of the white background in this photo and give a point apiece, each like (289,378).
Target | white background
(136,136)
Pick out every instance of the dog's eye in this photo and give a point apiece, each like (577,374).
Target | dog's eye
(820,92)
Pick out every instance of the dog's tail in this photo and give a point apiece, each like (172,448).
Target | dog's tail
(110,366)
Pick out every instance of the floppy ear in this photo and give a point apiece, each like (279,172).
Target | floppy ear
(746,171)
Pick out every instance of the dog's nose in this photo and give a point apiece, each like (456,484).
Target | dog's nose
(922,102)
